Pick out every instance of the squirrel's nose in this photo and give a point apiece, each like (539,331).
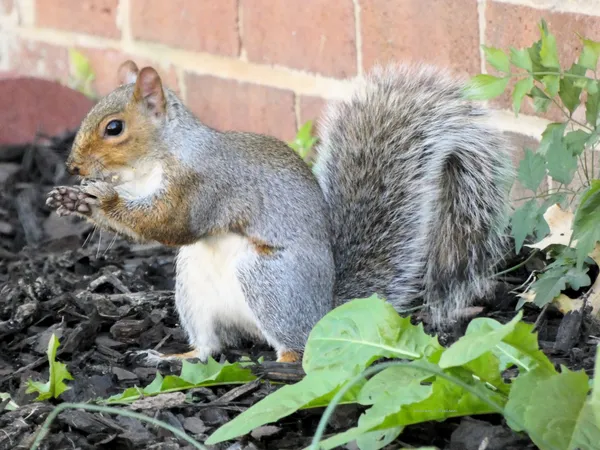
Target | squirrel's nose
(73,169)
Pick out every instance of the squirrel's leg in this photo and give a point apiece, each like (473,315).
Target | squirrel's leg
(287,293)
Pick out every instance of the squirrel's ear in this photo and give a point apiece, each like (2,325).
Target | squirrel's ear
(127,73)
(148,88)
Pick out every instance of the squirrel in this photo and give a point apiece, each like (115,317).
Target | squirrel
(408,199)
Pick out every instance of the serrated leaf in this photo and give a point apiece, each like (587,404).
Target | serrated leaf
(497,58)
(521,89)
(528,219)
(485,87)
(569,91)
(368,329)
(548,52)
(589,54)
(592,105)
(58,374)
(576,141)
(192,376)
(541,101)
(553,131)
(476,343)
(560,162)
(554,280)
(585,223)
(552,84)
(532,170)
(565,393)
(521,58)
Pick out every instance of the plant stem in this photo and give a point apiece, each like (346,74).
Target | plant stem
(106,409)
(521,264)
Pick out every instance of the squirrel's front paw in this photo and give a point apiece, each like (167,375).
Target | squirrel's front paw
(70,199)
(98,189)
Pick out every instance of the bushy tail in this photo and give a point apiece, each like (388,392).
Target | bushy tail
(417,184)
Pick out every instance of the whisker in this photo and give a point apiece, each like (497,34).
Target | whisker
(99,241)
(89,236)
(114,239)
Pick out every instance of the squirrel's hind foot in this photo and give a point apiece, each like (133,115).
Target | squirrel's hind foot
(152,358)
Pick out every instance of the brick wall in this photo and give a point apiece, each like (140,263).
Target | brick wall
(268,65)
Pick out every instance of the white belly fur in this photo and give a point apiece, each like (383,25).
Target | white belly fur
(208,292)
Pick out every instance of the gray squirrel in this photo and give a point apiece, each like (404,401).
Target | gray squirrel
(408,199)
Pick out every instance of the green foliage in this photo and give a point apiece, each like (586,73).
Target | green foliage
(82,74)
(423,381)
(192,376)
(58,374)
(304,141)
(564,150)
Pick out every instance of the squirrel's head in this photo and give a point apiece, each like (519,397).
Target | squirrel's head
(122,129)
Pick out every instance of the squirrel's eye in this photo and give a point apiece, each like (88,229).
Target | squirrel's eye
(114,128)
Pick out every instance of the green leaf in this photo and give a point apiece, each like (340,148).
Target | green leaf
(541,101)
(11,405)
(585,223)
(587,429)
(554,280)
(192,376)
(519,348)
(569,91)
(532,170)
(485,87)
(521,397)
(476,343)
(548,52)
(555,404)
(527,219)
(522,88)
(497,58)
(322,384)
(589,54)
(552,84)
(367,329)
(58,374)
(592,105)
(561,163)
(375,440)
(521,58)
(576,141)
(553,132)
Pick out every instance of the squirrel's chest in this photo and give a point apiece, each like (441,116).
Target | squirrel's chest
(208,290)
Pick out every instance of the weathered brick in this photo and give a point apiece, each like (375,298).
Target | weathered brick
(97,17)
(317,36)
(444,33)
(509,25)
(197,25)
(6,6)
(311,108)
(231,105)
(39,59)
(105,64)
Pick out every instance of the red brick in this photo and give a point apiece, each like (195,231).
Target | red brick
(517,26)
(441,32)
(316,35)
(197,25)
(6,6)
(311,108)
(105,64)
(44,107)
(98,17)
(40,60)
(231,105)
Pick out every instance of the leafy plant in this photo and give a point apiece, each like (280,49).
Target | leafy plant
(58,374)
(563,151)
(423,382)
(82,75)
(192,376)
(304,141)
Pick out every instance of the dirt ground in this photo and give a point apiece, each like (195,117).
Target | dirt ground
(104,297)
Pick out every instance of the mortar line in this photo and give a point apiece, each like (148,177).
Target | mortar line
(559,6)
(358,38)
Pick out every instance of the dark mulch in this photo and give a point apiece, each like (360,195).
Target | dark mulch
(104,297)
